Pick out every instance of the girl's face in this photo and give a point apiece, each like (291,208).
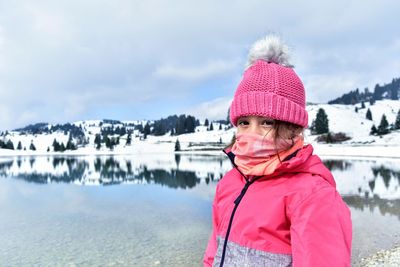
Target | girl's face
(257,125)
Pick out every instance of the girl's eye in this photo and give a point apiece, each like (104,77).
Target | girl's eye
(243,122)
(268,123)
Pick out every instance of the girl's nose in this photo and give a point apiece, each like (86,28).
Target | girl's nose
(256,129)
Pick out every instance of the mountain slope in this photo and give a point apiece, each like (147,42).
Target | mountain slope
(342,118)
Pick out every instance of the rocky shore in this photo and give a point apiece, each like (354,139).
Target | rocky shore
(386,258)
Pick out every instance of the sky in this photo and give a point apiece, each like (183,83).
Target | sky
(70,60)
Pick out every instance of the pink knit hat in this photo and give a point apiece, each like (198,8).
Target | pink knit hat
(269,86)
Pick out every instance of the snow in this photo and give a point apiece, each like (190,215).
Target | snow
(342,118)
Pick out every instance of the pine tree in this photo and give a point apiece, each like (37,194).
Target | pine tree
(159,128)
(192,124)
(180,127)
(220,126)
(146,130)
(211,127)
(70,144)
(371,101)
(397,122)
(123,131)
(394,90)
(19,146)
(206,122)
(377,95)
(383,127)
(9,145)
(56,146)
(128,139)
(177,145)
(108,142)
(111,142)
(32,146)
(321,122)
(97,141)
(373,131)
(362,104)
(368,115)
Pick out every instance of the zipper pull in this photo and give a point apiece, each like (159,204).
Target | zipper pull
(244,189)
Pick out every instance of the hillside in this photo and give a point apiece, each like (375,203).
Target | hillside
(342,118)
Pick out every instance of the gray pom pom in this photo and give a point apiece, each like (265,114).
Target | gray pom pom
(271,49)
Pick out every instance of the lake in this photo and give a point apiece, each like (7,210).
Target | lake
(155,210)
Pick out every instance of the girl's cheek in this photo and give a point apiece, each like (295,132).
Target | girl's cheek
(269,133)
(240,130)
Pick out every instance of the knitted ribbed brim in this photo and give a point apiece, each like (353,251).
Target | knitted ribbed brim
(267,105)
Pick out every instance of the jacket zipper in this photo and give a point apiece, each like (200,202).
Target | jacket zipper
(236,202)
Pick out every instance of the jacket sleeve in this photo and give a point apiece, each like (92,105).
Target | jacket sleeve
(321,230)
(212,243)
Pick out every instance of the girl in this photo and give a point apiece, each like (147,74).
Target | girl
(278,206)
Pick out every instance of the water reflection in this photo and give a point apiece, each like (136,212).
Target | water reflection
(386,175)
(385,206)
(107,171)
(341,165)
(365,179)
(370,187)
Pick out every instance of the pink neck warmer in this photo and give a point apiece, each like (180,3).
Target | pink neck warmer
(258,155)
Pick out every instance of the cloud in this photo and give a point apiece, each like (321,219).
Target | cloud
(216,109)
(322,87)
(6,118)
(66,60)
(205,71)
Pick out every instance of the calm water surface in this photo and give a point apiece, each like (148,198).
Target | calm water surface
(154,210)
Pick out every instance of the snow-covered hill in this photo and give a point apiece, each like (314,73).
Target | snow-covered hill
(342,118)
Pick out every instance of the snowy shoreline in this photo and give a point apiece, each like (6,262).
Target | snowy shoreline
(323,150)
(363,151)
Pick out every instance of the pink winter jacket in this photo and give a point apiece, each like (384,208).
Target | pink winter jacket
(294,217)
